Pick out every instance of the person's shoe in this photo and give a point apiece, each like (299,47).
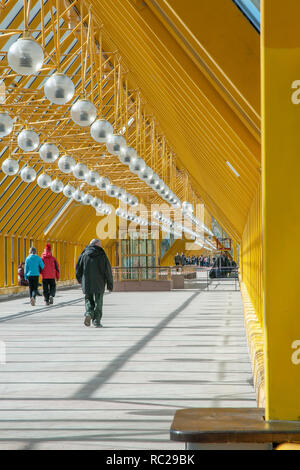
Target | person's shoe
(87,320)
(98,325)
(47,302)
(51,299)
(32,301)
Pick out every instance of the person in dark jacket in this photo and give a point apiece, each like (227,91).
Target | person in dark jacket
(93,272)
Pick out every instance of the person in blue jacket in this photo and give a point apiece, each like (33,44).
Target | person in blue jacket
(33,265)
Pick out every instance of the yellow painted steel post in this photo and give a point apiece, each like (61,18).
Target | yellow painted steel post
(281,198)
(234,250)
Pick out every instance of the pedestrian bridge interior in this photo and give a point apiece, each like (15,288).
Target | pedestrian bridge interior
(182,87)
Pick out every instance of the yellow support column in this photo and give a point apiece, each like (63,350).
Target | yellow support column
(234,251)
(281,199)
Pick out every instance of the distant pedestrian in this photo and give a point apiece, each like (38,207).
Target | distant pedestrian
(177,259)
(93,272)
(50,274)
(21,278)
(33,265)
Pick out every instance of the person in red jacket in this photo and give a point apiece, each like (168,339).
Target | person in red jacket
(50,273)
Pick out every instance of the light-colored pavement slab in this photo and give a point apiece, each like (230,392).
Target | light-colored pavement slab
(66,386)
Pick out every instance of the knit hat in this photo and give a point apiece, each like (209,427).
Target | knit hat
(48,247)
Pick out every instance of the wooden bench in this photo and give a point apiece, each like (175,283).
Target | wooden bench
(231,429)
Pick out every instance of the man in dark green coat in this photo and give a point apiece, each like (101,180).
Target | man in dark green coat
(93,272)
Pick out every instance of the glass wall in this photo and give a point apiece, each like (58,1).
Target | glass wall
(138,256)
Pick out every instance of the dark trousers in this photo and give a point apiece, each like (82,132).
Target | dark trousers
(93,306)
(49,288)
(33,285)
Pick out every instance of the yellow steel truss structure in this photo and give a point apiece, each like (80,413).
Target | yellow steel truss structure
(181,82)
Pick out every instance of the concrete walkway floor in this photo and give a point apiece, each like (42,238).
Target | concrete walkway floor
(66,386)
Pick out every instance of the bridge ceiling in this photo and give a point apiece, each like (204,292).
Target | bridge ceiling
(197,66)
(181,84)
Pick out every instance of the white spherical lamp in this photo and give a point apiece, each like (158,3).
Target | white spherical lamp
(25,56)
(80,171)
(87,199)
(68,191)
(28,174)
(78,195)
(112,190)
(28,140)
(92,178)
(115,144)
(6,124)
(96,203)
(49,152)
(127,155)
(103,183)
(137,166)
(83,113)
(59,89)
(10,167)
(145,174)
(57,186)
(66,164)
(126,198)
(187,208)
(133,201)
(101,130)
(44,181)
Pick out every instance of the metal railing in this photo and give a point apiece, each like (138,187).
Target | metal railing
(204,277)
(149,273)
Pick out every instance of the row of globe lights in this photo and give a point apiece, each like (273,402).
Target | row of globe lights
(28,175)
(26,57)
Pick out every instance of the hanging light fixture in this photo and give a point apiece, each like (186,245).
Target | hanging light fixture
(96,203)
(87,199)
(59,89)
(126,198)
(137,165)
(133,201)
(78,195)
(187,207)
(57,186)
(145,174)
(28,174)
(25,56)
(68,190)
(10,167)
(112,190)
(127,155)
(115,143)
(92,178)
(6,124)
(83,113)
(101,130)
(28,140)
(44,181)
(66,164)
(103,183)
(80,171)
(49,152)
